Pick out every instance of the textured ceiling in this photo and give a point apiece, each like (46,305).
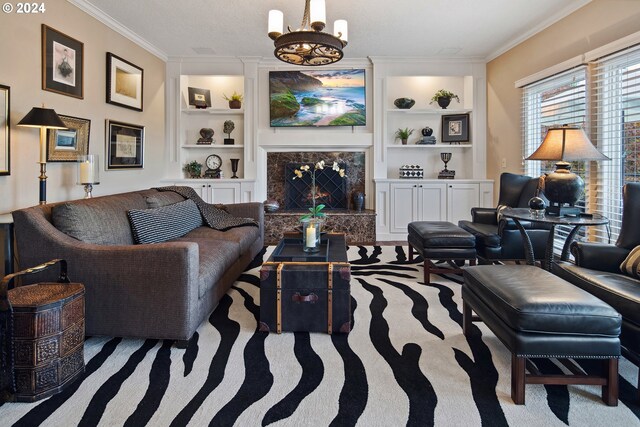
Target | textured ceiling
(407,28)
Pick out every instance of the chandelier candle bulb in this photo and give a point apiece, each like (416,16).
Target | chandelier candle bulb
(317,14)
(276,23)
(340,29)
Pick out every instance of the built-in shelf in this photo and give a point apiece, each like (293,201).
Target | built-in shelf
(428,146)
(216,146)
(218,111)
(435,112)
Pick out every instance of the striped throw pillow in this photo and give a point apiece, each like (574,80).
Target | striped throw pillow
(631,265)
(164,223)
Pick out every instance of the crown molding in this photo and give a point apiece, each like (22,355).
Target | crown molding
(426,59)
(552,19)
(98,14)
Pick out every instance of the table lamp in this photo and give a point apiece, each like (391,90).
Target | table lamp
(562,187)
(43,118)
(88,173)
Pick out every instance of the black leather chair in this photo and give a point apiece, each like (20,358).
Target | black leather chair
(500,240)
(597,271)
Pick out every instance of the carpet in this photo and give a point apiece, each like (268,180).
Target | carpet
(405,362)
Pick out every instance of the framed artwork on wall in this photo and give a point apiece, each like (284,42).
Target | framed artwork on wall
(125,145)
(455,128)
(5,146)
(125,83)
(65,145)
(62,63)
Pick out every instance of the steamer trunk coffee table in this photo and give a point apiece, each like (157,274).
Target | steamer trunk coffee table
(302,291)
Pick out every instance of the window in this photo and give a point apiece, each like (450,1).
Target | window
(616,104)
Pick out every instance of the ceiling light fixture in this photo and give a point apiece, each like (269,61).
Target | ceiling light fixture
(308,45)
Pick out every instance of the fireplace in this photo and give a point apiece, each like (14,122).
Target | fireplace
(336,191)
(331,188)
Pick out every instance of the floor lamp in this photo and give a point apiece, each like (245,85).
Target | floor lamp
(43,118)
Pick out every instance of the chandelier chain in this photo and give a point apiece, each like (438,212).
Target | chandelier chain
(306,18)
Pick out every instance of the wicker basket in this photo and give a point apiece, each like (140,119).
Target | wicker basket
(43,336)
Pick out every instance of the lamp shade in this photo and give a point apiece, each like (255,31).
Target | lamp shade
(566,143)
(42,117)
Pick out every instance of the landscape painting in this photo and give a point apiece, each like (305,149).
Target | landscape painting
(317,98)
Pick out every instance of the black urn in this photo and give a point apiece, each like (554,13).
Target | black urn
(426,131)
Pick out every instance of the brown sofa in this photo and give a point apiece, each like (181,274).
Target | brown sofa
(162,290)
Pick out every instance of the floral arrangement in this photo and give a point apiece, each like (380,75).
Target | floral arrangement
(234,97)
(315,211)
(443,93)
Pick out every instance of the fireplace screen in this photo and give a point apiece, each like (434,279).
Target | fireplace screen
(331,188)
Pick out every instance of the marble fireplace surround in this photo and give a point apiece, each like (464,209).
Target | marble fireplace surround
(276,162)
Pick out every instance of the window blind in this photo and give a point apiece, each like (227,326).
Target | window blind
(557,100)
(615,99)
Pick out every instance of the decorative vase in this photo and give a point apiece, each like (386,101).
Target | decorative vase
(235,105)
(311,228)
(271,205)
(358,201)
(234,167)
(404,103)
(426,131)
(444,101)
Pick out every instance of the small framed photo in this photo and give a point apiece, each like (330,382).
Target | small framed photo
(5,146)
(65,145)
(199,98)
(125,145)
(125,82)
(62,63)
(455,128)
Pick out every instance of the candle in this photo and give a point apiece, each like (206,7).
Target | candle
(311,236)
(87,173)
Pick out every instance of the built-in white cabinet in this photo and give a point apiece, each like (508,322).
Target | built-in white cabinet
(402,201)
(221,191)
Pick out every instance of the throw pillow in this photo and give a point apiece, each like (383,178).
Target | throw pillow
(631,265)
(164,223)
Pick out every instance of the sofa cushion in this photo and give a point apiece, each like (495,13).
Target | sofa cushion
(244,236)
(100,220)
(164,223)
(631,264)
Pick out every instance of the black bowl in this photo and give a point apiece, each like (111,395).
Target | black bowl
(404,103)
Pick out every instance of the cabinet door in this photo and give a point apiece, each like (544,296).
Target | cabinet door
(460,199)
(201,190)
(225,193)
(432,204)
(404,206)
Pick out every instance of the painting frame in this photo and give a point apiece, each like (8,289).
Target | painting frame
(124,145)
(5,130)
(455,128)
(199,98)
(125,83)
(66,145)
(62,63)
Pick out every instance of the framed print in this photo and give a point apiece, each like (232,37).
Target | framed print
(62,63)
(455,128)
(65,145)
(125,82)
(199,98)
(125,145)
(5,146)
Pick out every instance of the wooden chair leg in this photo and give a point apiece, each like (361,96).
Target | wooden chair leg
(518,379)
(467,318)
(610,390)
(427,271)
(410,252)
(472,262)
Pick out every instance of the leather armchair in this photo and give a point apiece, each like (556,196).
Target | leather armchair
(597,271)
(500,240)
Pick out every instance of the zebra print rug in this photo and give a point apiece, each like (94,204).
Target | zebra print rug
(406,362)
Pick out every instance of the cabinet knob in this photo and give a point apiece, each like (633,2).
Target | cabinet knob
(451,186)
(415,185)
(420,185)
(209,185)
(203,186)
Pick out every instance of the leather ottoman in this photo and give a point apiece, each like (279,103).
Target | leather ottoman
(440,240)
(539,315)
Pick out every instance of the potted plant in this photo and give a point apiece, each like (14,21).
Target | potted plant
(443,98)
(228,127)
(312,222)
(235,100)
(403,135)
(193,169)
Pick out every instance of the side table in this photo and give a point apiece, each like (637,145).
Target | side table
(6,222)
(523,214)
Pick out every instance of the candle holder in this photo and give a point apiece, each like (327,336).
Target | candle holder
(88,173)
(446,173)
(234,167)
(311,228)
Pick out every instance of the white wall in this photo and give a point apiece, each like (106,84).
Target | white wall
(20,68)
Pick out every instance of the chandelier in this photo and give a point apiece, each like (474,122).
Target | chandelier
(308,45)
